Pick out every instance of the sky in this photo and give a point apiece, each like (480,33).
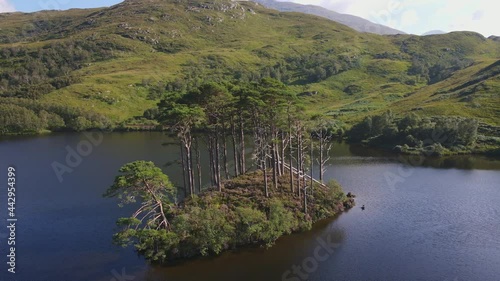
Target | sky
(37,5)
(420,16)
(410,16)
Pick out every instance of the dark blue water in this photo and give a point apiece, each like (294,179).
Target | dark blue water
(436,221)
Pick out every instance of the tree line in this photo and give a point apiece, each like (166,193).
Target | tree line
(23,116)
(413,131)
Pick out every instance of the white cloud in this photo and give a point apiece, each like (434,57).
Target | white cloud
(6,7)
(409,18)
(487,25)
(419,16)
(478,15)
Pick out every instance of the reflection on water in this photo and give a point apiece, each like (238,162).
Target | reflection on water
(467,162)
(440,222)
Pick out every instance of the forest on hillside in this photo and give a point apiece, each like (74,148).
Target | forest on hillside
(102,68)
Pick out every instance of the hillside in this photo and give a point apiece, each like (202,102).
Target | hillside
(354,22)
(100,67)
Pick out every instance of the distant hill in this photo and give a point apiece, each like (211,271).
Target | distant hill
(494,38)
(434,32)
(103,66)
(354,22)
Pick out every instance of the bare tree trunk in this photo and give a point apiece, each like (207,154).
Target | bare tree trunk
(324,151)
(211,159)
(198,162)
(299,161)
(189,163)
(217,161)
(265,173)
(191,171)
(242,146)
(257,139)
(312,171)
(278,156)
(183,163)
(321,157)
(304,177)
(160,204)
(290,146)
(291,161)
(224,149)
(226,169)
(305,199)
(283,149)
(262,146)
(274,161)
(235,149)
(303,163)
(328,147)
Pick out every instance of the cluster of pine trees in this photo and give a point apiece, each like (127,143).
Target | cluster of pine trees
(244,206)
(284,140)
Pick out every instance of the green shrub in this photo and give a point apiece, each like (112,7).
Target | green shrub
(16,119)
(156,245)
(280,221)
(250,225)
(207,230)
(51,121)
(80,124)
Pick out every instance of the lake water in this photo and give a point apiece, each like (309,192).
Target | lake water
(436,221)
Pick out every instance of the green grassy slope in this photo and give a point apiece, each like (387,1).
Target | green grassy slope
(115,53)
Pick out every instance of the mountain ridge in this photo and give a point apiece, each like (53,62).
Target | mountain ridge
(357,23)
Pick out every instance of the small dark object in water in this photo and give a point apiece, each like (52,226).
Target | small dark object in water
(363,207)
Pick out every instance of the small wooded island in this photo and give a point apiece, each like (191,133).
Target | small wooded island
(261,125)
(213,221)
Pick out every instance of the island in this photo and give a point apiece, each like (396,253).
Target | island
(213,221)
